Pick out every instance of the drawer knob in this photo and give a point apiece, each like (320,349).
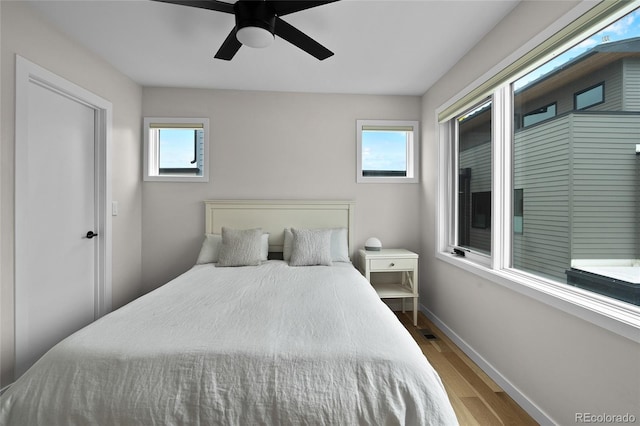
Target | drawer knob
(392,264)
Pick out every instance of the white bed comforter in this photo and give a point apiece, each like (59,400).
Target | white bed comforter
(265,345)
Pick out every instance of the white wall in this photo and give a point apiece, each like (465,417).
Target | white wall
(23,33)
(266,145)
(560,363)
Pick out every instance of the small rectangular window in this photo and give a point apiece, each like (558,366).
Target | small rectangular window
(176,149)
(538,115)
(589,97)
(387,151)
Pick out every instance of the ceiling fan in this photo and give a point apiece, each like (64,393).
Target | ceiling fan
(258,22)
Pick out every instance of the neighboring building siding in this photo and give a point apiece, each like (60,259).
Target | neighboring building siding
(579,174)
(580,178)
(541,156)
(631,73)
(478,159)
(606,182)
(612,77)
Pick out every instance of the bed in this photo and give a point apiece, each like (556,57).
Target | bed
(268,344)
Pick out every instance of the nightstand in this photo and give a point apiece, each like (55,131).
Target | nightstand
(393,260)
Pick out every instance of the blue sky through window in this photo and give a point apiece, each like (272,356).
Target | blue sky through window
(176,149)
(384,150)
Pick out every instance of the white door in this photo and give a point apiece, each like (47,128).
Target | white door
(56,259)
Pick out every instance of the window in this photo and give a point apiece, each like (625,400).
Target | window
(589,97)
(387,151)
(552,209)
(176,149)
(473,128)
(538,115)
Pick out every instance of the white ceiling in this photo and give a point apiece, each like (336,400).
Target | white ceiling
(381,47)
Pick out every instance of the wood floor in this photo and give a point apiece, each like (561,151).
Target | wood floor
(476,399)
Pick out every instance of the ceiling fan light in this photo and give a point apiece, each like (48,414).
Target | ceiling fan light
(254,36)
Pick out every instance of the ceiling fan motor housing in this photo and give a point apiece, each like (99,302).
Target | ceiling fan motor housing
(254,14)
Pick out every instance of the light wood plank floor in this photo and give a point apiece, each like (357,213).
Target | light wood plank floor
(476,399)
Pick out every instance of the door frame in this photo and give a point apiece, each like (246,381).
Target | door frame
(28,73)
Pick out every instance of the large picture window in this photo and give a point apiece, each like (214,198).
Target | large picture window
(564,192)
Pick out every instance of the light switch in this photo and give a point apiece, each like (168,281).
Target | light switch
(114,208)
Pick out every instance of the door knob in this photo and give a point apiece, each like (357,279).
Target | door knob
(91,234)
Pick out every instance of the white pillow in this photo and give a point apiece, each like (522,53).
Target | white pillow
(311,247)
(211,247)
(240,247)
(339,245)
(264,247)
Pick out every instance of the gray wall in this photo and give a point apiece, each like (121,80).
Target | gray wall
(266,145)
(22,32)
(561,363)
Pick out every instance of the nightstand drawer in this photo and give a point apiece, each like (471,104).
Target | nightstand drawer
(392,264)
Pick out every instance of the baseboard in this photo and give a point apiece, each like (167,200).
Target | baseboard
(532,409)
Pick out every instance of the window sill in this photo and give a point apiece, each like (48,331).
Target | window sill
(365,179)
(182,179)
(618,317)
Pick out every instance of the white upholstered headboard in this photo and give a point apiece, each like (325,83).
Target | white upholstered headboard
(275,215)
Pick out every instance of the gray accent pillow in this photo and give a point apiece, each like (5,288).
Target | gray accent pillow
(211,248)
(311,247)
(240,247)
(339,245)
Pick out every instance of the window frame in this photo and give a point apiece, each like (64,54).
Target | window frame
(616,316)
(151,159)
(413,151)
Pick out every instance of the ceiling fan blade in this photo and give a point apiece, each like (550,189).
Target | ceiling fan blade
(284,7)
(218,6)
(229,47)
(301,40)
